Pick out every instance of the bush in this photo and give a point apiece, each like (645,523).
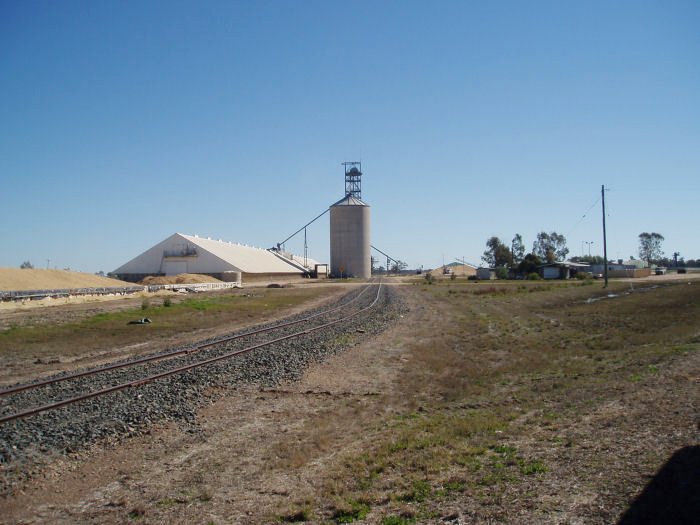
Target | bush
(501,272)
(534,276)
(145,304)
(167,302)
(472,278)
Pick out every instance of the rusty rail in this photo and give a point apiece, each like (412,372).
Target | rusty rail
(178,370)
(167,355)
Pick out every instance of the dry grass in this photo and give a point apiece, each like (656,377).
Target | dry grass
(528,404)
(490,393)
(185,315)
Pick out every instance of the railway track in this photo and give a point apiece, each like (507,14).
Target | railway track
(29,399)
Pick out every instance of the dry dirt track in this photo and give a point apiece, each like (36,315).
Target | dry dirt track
(256,455)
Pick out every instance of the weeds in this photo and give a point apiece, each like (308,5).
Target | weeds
(298,516)
(111,329)
(529,356)
(353,511)
(420,491)
(397,520)
(529,468)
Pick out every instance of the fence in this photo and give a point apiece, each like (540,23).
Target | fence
(35,295)
(194,287)
(20,295)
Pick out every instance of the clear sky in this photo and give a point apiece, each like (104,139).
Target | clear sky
(124,122)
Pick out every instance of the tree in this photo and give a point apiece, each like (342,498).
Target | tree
(26,265)
(517,248)
(497,253)
(650,246)
(398,266)
(550,247)
(590,259)
(529,264)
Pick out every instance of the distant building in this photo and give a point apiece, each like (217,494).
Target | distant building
(631,268)
(563,269)
(485,274)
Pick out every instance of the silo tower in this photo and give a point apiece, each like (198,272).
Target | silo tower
(350,229)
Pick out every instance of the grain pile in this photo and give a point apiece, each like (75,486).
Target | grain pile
(183,278)
(16,279)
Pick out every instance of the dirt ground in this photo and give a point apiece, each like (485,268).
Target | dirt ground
(259,455)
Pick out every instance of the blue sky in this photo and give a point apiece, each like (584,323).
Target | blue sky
(124,122)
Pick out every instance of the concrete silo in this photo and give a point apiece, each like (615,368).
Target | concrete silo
(350,229)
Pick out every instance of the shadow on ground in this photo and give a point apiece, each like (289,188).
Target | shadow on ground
(673,496)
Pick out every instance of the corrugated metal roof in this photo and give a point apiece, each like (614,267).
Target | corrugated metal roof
(349,200)
(205,255)
(247,259)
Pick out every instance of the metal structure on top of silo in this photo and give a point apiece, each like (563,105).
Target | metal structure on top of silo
(350,229)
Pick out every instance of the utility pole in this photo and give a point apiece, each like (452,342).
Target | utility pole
(605,241)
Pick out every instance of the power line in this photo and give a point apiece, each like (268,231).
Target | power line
(588,210)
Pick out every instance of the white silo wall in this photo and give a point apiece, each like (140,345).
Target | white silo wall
(350,239)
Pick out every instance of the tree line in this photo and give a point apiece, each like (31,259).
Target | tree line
(547,248)
(551,247)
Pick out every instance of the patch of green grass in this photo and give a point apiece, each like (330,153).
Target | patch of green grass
(397,520)
(454,486)
(341,341)
(505,450)
(420,491)
(137,512)
(529,468)
(298,516)
(355,510)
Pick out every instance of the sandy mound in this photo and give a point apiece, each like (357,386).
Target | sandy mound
(183,278)
(458,269)
(14,279)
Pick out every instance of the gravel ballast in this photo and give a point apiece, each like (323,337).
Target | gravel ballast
(26,443)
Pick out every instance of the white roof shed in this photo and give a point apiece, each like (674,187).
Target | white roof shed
(182,253)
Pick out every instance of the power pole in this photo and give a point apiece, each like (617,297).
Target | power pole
(605,241)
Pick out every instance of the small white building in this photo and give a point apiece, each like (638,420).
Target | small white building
(223,260)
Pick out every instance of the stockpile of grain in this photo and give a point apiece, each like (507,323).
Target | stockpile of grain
(16,279)
(183,278)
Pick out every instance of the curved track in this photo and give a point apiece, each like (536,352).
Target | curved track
(112,377)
